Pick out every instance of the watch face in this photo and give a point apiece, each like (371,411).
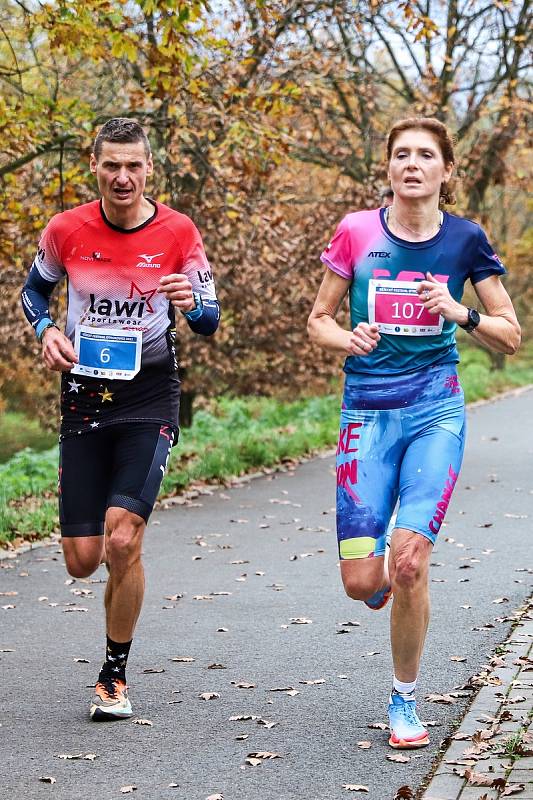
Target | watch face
(473,317)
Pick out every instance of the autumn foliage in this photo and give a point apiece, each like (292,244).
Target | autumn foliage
(267,123)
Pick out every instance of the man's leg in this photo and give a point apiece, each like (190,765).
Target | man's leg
(140,457)
(125,586)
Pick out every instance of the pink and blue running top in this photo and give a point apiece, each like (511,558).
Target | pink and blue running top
(383,270)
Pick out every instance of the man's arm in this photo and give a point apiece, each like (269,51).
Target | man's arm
(35,298)
(58,353)
(202,313)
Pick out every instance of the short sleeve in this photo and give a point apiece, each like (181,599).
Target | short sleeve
(338,255)
(48,258)
(486,262)
(195,263)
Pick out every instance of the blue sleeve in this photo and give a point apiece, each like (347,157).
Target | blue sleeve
(206,322)
(486,262)
(35,298)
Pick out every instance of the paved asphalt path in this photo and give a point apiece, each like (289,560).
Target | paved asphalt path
(260,556)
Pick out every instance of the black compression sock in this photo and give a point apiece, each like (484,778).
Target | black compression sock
(115,660)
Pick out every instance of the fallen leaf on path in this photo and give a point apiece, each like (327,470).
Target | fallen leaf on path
(243,685)
(300,621)
(404,793)
(479,779)
(501,600)
(313,683)
(222,630)
(398,758)
(447,699)
(152,670)
(47,779)
(215,797)
(202,597)
(354,787)
(141,722)
(364,745)
(380,726)
(513,788)
(242,737)
(458,659)
(209,696)
(254,759)
(128,789)
(76,756)
(82,661)
(216,666)
(182,659)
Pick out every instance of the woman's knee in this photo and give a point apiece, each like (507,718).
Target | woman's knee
(360,584)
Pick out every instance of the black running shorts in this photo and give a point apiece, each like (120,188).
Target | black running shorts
(120,465)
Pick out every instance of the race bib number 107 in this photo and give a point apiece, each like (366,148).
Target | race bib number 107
(107,353)
(396,308)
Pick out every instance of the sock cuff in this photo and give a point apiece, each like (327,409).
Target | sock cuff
(404,687)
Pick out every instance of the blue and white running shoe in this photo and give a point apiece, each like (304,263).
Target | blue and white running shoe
(406,730)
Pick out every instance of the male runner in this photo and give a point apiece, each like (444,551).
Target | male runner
(129,262)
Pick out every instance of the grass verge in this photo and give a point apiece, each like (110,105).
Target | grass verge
(231,437)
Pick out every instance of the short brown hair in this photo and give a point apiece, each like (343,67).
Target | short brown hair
(442,136)
(120,129)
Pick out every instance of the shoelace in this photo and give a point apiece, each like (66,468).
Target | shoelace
(409,712)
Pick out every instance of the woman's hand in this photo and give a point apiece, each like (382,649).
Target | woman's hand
(362,340)
(436,298)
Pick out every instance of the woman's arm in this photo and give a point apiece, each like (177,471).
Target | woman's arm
(324,330)
(498,328)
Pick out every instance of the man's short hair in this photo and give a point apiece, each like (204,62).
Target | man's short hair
(120,129)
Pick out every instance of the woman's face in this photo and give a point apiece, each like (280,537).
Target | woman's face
(416,167)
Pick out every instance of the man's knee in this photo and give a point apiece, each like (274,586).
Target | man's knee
(124,531)
(82,560)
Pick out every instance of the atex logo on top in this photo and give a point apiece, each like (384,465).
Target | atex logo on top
(148,261)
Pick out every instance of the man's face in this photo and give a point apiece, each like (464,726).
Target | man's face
(121,171)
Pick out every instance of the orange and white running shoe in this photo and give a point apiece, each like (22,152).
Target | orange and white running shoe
(110,700)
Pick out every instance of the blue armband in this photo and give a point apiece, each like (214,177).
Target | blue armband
(204,318)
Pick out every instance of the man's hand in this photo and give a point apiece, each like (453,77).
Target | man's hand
(363,339)
(436,297)
(178,289)
(58,353)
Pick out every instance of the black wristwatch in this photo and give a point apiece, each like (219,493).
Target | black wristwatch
(472,321)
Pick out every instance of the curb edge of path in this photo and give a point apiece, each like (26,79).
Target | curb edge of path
(448,781)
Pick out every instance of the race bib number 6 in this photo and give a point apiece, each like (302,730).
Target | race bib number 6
(107,353)
(396,308)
